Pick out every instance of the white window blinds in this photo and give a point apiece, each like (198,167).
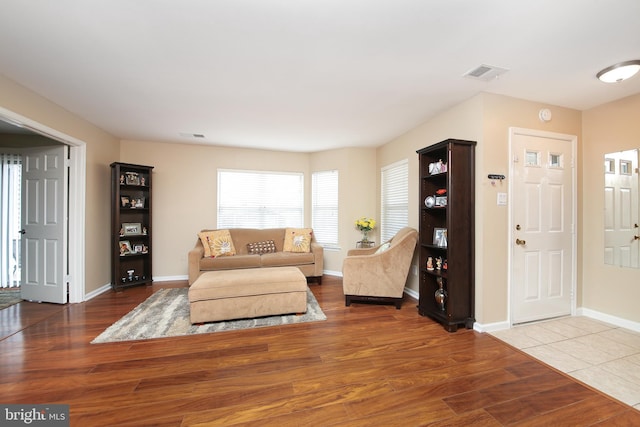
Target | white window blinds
(395,199)
(324,214)
(256,199)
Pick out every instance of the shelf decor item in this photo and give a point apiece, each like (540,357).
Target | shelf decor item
(447,233)
(365,225)
(130,239)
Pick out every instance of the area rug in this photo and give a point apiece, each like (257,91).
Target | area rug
(8,297)
(166,314)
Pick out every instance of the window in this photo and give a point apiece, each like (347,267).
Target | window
(324,207)
(395,199)
(250,199)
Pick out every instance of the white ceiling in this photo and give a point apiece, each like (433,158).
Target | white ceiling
(307,75)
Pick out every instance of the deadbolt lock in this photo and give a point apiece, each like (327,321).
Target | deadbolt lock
(517,226)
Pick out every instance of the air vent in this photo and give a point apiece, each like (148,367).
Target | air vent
(191,135)
(485,73)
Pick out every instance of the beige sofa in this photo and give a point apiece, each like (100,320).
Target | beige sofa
(310,264)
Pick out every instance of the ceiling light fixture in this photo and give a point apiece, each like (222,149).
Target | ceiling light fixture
(619,72)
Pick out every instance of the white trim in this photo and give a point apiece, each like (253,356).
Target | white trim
(332,273)
(77,198)
(491,327)
(170,278)
(101,290)
(574,205)
(412,293)
(608,318)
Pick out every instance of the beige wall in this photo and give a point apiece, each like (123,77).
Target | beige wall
(185,191)
(606,288)
(101,150)
(485,118)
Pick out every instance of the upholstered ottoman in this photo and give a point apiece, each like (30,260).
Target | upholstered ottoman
(244,293)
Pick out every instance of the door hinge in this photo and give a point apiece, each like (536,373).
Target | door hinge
(67,278)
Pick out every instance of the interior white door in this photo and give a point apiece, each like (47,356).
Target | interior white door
(621,209)
(44,213)
(542,245)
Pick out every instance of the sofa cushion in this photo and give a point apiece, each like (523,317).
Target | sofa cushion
(297,240)
(230,262)
(243,236)
(287,258)
(265,247)
(217,243)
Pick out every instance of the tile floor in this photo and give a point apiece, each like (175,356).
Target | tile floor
(601,355)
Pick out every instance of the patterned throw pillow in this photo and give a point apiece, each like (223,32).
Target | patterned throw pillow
(259,248)
(217,243)
(297,240)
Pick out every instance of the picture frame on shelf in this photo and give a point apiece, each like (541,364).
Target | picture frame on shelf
(125,201)
(131,228)
(138,203)
(138,248)
(440,237)
(441,201)
(132,178)
(125,248)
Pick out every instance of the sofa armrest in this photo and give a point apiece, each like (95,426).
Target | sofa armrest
(194,257)
(318,255)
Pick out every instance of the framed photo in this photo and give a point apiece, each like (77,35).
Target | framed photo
(125,202)
(138,202)
(441,201)
(131,228)
(132,178)
(138,248)
(125,248)
(440,237)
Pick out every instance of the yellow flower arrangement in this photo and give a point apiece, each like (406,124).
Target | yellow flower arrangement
(365,225)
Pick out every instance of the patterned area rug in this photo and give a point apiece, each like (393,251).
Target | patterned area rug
(166,314)
(8,297)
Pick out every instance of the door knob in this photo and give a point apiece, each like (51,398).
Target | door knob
(521,242)
(636,237)
(23,231)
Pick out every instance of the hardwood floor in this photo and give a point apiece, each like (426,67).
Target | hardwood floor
(366,365)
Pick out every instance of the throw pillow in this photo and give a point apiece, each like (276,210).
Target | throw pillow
(383,247)
(266,247)
(297,240)
(217,243)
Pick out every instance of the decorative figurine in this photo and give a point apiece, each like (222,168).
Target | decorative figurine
(430,264)
(438,263)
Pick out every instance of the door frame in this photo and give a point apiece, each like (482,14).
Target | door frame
(573,139)
(77,194)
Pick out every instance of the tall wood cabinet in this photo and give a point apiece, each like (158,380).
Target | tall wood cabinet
(447,231)
(131,229)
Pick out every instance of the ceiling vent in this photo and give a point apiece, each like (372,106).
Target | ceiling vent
(191,135)
(485,73)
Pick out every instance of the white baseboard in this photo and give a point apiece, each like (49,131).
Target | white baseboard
(169,278)
(412,293)
(101,290)
(332,273)
(491,327)
(614,320)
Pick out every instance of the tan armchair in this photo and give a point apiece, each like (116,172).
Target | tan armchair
(380,273)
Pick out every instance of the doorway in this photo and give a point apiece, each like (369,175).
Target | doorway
(75,237)
(542,225)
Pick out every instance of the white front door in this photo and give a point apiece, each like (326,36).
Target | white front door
(542,221)
(621,209)
(44,213)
